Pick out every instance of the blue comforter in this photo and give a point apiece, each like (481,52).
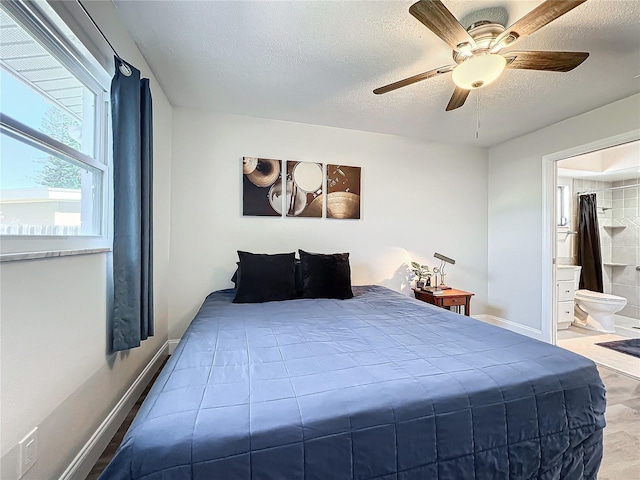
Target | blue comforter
(379,386)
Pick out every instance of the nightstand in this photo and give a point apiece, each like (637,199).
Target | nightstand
(447,299)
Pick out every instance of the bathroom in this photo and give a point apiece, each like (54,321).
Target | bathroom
(613,176)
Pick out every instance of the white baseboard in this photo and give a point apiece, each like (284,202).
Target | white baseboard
(91,451)
(509,325)
(172,345)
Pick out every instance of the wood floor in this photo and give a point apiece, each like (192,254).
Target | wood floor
(110,451)
(621,436)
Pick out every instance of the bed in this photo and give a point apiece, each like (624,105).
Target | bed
(380,386)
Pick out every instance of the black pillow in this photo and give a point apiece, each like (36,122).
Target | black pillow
(235,279)
(325,276)
(266,278)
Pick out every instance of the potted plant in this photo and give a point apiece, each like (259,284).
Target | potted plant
(421,271)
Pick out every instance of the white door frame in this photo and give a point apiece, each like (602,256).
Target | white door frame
(549,232)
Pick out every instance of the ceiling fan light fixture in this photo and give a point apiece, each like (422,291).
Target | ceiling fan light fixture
(479,71)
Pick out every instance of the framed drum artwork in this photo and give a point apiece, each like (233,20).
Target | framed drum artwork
(343,192)
(261,187)
(304,189)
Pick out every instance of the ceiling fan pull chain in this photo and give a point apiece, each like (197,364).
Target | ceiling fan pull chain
(477,113)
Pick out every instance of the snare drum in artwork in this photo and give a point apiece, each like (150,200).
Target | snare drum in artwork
(308,176)
(304,185)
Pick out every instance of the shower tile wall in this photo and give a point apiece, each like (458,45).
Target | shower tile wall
(625,245)
(620,246)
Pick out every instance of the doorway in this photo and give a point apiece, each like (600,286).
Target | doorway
(608,171)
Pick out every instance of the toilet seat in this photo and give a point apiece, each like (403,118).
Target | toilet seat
(588,295)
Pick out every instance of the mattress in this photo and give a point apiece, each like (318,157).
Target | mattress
(381,386)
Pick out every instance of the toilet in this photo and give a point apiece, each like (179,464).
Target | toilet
(595,310)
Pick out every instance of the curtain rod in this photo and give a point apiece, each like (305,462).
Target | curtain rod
(586,192)
(124,68)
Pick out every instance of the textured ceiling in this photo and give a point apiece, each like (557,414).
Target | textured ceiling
(318,62)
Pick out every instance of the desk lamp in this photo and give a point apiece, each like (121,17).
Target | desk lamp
(444,260)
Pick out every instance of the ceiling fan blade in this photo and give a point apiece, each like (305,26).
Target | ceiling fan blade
(457,99)
(533,21)
(414,79)
(547,61)
(437,18)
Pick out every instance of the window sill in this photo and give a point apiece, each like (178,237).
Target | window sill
(19,257)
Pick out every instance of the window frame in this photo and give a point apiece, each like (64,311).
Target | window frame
(92,75)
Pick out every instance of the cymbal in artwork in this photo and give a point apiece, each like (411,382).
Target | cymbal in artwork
(339,205)
(265,173)
(315,207)
(343,205)
(249,164)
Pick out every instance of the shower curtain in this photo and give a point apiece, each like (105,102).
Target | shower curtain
(589,252)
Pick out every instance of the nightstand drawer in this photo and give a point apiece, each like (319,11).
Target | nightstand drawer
(447,298)
(451,301)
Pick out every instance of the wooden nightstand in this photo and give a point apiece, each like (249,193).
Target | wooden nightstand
(447,299)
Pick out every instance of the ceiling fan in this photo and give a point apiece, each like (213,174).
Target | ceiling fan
(477,50)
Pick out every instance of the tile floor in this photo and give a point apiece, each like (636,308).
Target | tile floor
(583,342)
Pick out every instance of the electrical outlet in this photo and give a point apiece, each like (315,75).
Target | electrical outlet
(28,447)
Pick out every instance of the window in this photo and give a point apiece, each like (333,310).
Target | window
(53,158)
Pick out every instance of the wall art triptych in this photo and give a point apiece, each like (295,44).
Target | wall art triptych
(303,183)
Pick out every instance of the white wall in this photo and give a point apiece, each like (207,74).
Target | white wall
(417,198)
(56,372)
(516,212)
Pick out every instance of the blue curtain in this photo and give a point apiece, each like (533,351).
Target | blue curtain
(133,208)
